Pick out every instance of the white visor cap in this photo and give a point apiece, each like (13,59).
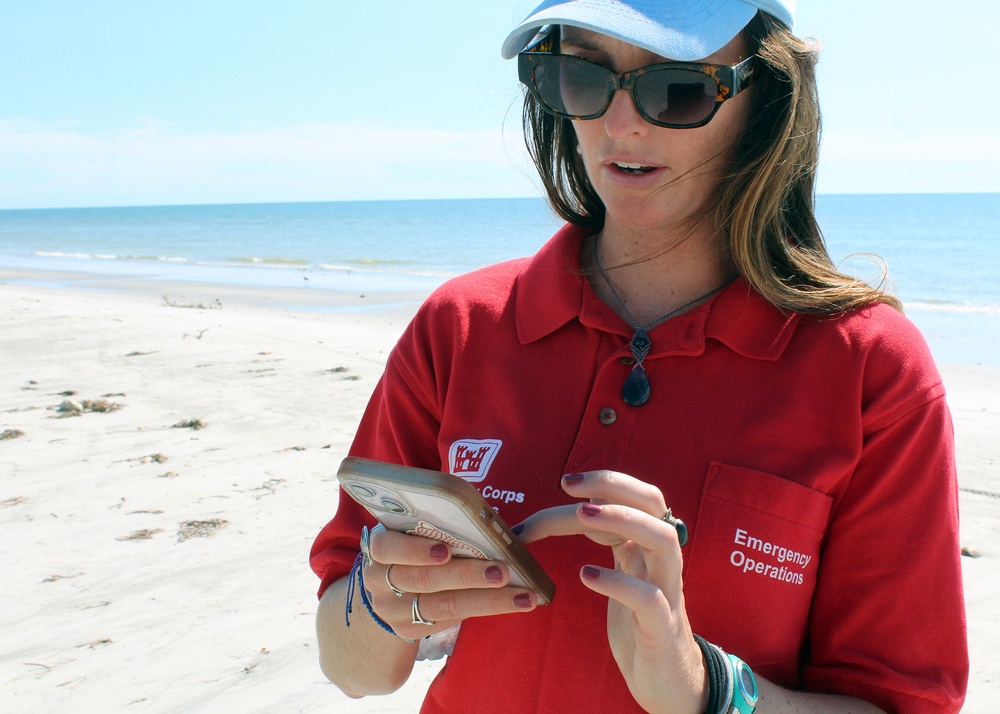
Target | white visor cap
(682,30)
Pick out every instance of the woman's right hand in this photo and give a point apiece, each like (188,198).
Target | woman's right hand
(447,590)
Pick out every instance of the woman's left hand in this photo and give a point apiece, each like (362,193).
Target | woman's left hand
(648,628)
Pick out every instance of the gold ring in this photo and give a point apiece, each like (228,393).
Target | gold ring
(415,617)
(679,526)
(399,593)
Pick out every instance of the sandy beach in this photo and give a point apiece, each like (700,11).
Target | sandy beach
(167,455)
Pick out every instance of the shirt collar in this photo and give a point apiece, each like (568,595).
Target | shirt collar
(551,291)
(748,324)
(550,286)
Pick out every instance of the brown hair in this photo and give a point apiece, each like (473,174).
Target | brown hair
(766,197)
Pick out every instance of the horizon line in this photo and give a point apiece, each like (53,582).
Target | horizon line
(445,198)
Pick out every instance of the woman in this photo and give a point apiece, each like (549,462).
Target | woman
(683,342)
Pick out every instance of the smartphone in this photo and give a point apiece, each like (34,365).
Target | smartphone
(446,508)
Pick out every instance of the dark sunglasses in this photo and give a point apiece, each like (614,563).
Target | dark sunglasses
(676,95)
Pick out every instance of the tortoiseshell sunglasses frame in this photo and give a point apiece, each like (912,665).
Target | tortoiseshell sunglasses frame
(730,79)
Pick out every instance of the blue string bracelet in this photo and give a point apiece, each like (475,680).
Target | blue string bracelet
(356,575)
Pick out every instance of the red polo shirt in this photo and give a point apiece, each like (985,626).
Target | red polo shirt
(811,457)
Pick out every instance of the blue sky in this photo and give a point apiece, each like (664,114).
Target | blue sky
(123,102)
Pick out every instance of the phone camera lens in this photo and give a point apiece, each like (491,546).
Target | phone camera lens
(362,491)
(390,505)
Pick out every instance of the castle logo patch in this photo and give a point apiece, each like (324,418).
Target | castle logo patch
(471,458)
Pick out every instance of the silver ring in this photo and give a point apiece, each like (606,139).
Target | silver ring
(679,526)
(366,546)
(399,593)
(415,617)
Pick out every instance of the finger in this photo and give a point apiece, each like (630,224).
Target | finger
(447,609)
(628,524)
(648,602)
(613,487)
(459,574)
(396,613)
(462,604)
(555,521)
(646,547)
(647,626)
(392,547)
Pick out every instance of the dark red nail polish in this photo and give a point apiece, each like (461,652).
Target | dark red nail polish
(590,572)
(493,574)
(522,600)
(590,509)
(439,553)
(573,479)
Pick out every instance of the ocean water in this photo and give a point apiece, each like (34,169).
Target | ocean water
(942,250)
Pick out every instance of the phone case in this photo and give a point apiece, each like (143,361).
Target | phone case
(443,507)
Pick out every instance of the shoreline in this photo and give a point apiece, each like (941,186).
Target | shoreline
(956,333)
(371,297)
(157,566)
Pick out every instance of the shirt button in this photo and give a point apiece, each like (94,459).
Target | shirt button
(628,359)
(608,416)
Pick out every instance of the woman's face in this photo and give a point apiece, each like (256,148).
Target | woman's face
(680,168)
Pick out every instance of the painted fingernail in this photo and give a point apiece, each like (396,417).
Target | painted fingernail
(590,509)
(438,553)
(590,572)
(522,600)
(516,530)
(573,479)
(493,574)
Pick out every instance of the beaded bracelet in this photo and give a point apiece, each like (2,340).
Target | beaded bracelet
(357,574)
(720,677)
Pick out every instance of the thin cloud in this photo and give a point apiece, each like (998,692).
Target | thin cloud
(59,165)
(909,162)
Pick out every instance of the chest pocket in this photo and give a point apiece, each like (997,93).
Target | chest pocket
(752,565)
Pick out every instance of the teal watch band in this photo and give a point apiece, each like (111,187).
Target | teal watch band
(745,692)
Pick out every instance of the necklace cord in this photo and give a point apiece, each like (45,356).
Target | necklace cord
(636,390)
(642,331)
